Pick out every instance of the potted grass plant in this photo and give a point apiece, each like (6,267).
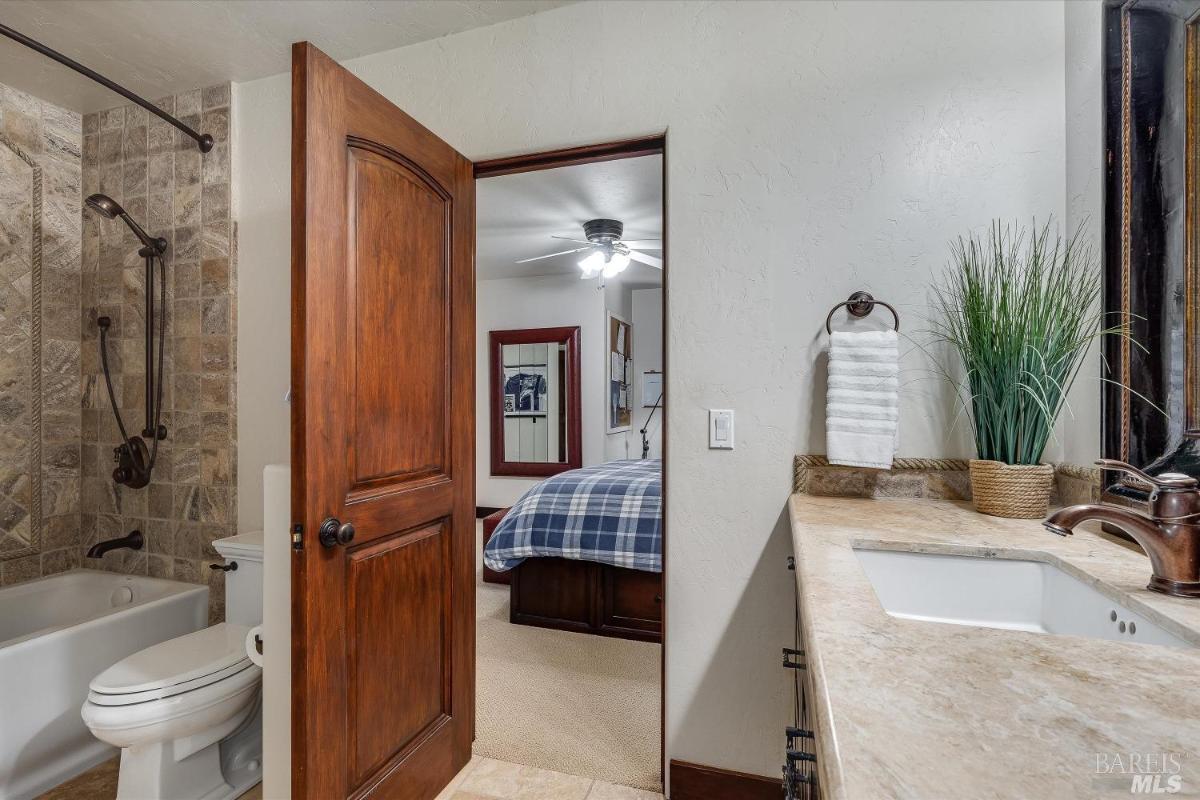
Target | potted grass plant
(1019,307)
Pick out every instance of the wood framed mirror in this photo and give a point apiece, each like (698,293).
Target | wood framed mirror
(1151,398)
(534,397)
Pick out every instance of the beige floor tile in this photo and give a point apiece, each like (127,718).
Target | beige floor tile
(100,783)
(602,790)
(504,781)
(452,787)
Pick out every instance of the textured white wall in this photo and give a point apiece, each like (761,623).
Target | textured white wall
(1079,426)
(647,354)
(814,149)
(261,127)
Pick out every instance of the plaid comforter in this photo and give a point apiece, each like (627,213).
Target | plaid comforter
(611,513)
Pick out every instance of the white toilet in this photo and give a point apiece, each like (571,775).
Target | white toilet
(187,712)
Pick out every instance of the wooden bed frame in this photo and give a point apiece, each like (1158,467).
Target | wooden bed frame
(587,597)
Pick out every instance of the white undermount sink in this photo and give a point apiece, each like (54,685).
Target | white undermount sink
(1002,593)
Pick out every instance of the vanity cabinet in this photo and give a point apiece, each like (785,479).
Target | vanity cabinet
(800,764)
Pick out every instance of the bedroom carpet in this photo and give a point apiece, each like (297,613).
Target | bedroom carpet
(569,702)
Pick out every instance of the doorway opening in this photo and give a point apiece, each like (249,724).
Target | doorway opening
(571,279)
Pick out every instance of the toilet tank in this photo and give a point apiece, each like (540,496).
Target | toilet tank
(243,586)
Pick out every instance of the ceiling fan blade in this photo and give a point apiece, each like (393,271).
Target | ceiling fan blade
(569,239)
(552,255)
(643,244)
(653,261)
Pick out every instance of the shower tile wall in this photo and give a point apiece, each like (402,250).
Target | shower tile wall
(163,180)
(50,136)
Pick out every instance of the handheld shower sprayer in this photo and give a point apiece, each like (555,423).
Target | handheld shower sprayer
(109,209)
(133,458)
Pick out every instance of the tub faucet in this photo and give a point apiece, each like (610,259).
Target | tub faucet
(1170,535)
(132,541)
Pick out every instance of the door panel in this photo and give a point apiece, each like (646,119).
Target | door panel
(383,439)
(406,640)
(400,229)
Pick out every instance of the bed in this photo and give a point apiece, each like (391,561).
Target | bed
(584,548)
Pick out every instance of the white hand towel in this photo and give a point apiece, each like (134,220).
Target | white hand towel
(862,411)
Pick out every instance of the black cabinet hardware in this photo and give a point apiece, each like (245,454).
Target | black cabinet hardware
(791,658)
(230,567)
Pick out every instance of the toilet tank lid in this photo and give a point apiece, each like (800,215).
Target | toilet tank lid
(245,545)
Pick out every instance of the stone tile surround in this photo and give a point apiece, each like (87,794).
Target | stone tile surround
(162,179)
(32,130)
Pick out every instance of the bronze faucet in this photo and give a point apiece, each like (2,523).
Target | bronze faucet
(1170,535)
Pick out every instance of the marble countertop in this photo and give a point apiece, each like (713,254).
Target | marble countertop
(914,709)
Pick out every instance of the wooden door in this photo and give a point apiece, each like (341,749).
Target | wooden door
(383,331)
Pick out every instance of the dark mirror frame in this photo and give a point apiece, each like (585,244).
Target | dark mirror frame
(574,429)
(1150,246)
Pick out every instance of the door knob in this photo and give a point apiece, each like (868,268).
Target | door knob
(333,532)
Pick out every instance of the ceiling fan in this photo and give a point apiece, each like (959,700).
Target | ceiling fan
(609,254)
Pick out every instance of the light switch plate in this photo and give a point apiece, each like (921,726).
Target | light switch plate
(720,429)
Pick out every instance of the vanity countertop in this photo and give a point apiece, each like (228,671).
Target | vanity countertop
(915,709)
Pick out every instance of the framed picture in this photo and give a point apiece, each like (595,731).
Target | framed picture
(620,373)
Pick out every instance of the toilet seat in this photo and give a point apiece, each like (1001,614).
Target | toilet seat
(177,715)
(176,666)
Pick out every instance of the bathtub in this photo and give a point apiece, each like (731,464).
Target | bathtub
(58,633)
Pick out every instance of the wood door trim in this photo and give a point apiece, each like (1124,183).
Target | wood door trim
(570,156)
(613,151)
(700,782)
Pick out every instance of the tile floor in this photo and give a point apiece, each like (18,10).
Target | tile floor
(482,779)
(100,783)
(489,779)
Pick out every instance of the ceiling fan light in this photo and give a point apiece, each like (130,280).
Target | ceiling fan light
(616,265)
(593,264)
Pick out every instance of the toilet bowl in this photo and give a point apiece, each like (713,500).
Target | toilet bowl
(187,712)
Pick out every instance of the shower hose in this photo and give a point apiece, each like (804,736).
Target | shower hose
(162,327)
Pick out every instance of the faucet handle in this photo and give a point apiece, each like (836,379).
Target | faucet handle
(1167,480)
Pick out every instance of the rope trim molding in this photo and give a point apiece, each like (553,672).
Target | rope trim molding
(802,464)
(1079,472)
(35,347)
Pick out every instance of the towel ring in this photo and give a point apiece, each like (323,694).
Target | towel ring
(860,304)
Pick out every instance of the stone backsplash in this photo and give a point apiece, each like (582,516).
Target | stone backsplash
(934,478)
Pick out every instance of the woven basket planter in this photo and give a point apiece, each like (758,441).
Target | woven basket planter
(1018,491)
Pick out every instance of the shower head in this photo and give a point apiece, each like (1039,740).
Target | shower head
(110,209)
(105,205)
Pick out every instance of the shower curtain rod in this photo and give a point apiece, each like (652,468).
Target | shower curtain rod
(203,140)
